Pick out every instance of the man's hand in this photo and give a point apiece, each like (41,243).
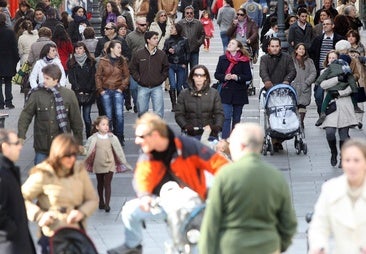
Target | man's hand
(145,203)
(268,84)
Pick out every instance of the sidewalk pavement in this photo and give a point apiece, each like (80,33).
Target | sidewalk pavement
(304,173)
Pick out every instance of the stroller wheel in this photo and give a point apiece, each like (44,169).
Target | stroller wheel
(298,148)
(304,148)
(264,149)
(271,148)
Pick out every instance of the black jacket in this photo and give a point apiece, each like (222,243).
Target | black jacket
(9,55)
(15,237)
(316,45)
(181,49)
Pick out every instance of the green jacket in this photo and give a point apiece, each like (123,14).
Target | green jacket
(248,210)
(41,105)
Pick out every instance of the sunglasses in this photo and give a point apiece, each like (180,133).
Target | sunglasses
(108,28)
(70,155)
(199,75)
(240,14)
(142,24)
(190,13)
(163,15)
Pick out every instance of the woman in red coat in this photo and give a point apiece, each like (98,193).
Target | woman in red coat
(64,45)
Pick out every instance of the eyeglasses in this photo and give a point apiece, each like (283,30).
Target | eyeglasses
(142,24)
(199,75)
(240,14)
(327,24)
(70,155)
(14,143)
(163,15)
(108,28)
(189,12)
(143,136)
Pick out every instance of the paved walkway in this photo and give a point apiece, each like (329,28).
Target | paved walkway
(305,173)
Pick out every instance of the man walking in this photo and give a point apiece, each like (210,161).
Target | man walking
(194,32)
(149,67)
(15,236)
(165,157)
(301,31)
(249,206)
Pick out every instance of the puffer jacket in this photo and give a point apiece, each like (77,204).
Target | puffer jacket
(41,105)
(58,194)
(181,49)
(111,76)
(199,108)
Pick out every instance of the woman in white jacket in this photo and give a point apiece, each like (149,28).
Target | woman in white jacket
(47,56)
(341,208)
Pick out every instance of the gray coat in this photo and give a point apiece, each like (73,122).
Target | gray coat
(37,47)
(303,80)
(345,115)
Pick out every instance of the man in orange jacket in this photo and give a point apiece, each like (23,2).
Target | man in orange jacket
(165,157)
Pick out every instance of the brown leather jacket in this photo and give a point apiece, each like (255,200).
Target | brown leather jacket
(111,76)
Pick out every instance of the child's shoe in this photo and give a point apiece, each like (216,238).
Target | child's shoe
(321,119)
(358,110)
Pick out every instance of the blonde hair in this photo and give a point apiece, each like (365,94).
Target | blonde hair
(154,122)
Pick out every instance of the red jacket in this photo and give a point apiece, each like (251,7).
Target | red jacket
(65,49)
(188,164)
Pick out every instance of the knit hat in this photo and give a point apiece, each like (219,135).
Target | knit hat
(342,45)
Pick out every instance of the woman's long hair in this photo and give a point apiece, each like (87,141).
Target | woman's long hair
(72,62)
(242,48)
(207,74)
(46,49)
(27,25)
(111,45)
(114,9)
(302,60)
(60,35)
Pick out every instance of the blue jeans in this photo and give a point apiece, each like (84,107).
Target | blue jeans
(143,99)
(318,95)
(177,76)
(113,102)
(193,60)
(86,109)
(133,90)
(225,40)
(132,218)
(39,157)
(232,114)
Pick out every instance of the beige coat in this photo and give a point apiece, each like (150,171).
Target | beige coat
(335,215)
(58,194)
(25,42)
(155,27)
(345,115)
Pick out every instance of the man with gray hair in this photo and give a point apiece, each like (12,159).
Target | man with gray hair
(249,207)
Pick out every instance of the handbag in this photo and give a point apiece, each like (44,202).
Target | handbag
(361,95)
(85,98)
(22,73)
(217,86)
(331,108)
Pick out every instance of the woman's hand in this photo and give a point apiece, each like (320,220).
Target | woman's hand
(47,219)
(119,90)
(74,216)
(145,203)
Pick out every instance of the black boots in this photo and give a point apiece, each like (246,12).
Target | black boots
(173,98)
(340,149)
(333,149)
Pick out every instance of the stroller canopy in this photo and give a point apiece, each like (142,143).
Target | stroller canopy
(277,88)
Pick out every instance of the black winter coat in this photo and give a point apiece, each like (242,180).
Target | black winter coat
(9,55)
(73,30)
(181,49)
(82,79)
(234,92)
(15,237)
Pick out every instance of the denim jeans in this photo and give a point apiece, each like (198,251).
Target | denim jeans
(8,94)
(177,76)
(143,99)
(193,60)
(113,102)
(86,109)
(225,40)
(39,157)
(318,95)
(133,90)
(132,218)
(232,114)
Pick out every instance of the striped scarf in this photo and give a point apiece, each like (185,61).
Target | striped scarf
(61,115)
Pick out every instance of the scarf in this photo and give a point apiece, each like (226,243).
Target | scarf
(80,19)
(39,23)
(242,28)
(162,28)
(47,60)
(61,115)
(234,60)
(80,59)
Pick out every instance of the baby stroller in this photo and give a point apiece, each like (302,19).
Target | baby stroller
(281,120)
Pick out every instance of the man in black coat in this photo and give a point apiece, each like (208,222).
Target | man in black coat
(9,58)
(15,237)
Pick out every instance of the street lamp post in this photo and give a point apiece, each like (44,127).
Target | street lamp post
(96,20)
(281,25)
